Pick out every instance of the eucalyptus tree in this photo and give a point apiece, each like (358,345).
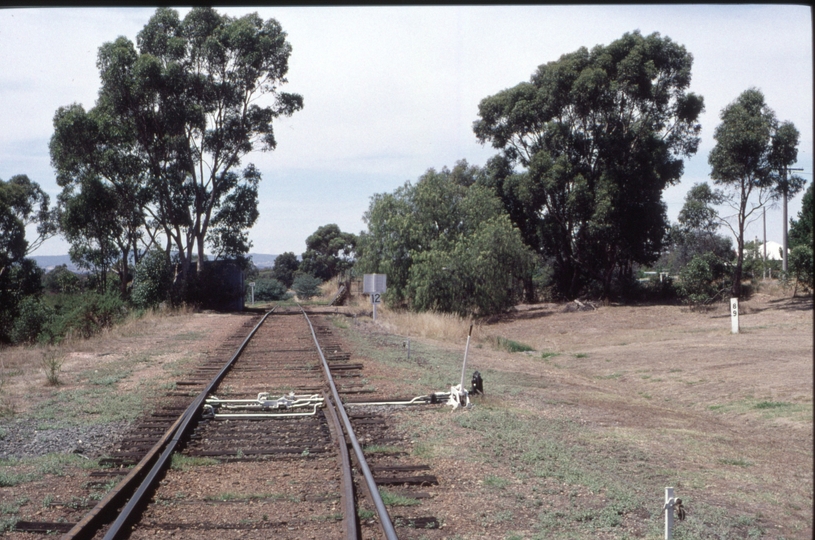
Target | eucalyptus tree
(749,162)
(177,113)
(598,136)
(329,251)
(446,243)
(23,203)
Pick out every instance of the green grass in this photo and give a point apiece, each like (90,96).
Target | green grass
(771,405)
(381,449)
(512,346)
(581,355)
(546,354)
(181,462)
(394,499)
(736,462)
(495,481)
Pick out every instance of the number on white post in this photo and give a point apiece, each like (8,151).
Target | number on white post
(734,315)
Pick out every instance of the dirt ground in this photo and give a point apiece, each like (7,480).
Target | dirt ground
(576,438)
(667,396)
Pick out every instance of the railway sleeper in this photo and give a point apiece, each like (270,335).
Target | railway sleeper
(419,480)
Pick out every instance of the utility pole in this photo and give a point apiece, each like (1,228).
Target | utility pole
(784,241)
(764,266)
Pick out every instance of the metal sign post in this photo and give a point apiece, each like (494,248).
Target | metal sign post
(252,287)
(375,285)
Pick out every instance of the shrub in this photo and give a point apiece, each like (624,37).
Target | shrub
(703,279)
(267,290)
(306,286)
(88,315)
(153,279)
(800,265)
(32,318)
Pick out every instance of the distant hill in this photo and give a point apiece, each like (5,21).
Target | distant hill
(48,262)
(263,260)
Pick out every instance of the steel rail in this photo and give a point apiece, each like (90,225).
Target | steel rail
(349,525)
(384,517)
(86,528)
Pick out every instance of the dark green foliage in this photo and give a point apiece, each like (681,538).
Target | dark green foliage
(22,203)
(703,280)
(329,251)
(90,222)
(800,265)
(32,318)
(87,314)
(800,233)
(749,161)
(600,135)
(61,280)
(478,274)
(696,232)
(445,244)
(20,280)
(306,286)
(176,113)
(285,265)
(269,290)
(153,280)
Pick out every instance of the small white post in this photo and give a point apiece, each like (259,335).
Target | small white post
(669,512)
(464,365)
(252,287)
(734,315)
(408,348)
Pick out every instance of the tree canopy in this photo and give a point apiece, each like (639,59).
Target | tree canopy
(329,251)
(284,268)
(598,135)
(445,244)
(22,203)
(801,229)
(749,162)
(177,112)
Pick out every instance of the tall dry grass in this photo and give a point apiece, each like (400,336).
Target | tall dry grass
(439,326)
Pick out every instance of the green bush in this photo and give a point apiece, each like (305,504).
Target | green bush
(153,279)
(87,315)
(306,286)
(268,290)
(703,280)
(800,265)
(32,318)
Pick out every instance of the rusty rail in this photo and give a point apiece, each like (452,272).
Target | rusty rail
(87,526)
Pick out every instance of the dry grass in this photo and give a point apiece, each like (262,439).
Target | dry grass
(440,326)
(24,364)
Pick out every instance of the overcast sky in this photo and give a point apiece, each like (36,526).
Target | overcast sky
(392,91)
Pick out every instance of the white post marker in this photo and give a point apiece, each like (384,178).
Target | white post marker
(669,512)
(376,298)
(734,315)
(252,286)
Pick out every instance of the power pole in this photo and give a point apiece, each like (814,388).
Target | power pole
(764,266)
(784,237)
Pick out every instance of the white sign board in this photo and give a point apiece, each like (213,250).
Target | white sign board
(374,283)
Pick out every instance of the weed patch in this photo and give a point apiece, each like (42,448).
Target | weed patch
(509,345)
(180,462)
(394,499)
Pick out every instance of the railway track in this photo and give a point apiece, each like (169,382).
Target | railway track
(259,447)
